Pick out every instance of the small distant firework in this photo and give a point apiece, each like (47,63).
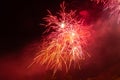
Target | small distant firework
(65,45)
(114,7)
(100,1)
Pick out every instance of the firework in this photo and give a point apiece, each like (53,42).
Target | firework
(114,9)
(65,45)
(100,1)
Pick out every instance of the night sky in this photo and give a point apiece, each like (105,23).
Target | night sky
(20,34)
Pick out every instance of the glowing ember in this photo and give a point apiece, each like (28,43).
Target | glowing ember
(62,25)
(66,44)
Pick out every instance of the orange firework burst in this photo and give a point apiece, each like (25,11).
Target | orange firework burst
(65,44)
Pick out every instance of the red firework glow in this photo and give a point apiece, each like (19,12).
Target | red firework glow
(66,42)
(100,1)
(114,8)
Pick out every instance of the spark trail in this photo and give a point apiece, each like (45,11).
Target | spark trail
(100,1)
(112,7)
(65,45)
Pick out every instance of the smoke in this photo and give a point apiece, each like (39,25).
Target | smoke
(104,50)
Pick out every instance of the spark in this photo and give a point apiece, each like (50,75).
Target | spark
(62,25)
(66,44)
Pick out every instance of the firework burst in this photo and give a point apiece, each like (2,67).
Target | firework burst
(65,45)
(114,7)
(100,1)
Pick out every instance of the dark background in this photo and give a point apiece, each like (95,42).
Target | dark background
(20,20)
(20,28)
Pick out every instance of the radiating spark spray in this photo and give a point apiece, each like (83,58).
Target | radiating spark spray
(100,1)
(114,7)
(65,46)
